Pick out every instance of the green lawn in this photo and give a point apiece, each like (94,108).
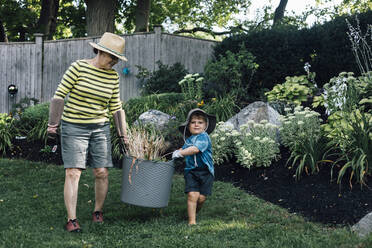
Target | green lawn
(33,215)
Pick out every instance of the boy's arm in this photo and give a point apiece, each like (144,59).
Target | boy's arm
(189,151)
(180,153)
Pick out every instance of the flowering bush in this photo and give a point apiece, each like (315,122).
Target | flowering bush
(340,93)
(256,145)
(301,132)
(222,142)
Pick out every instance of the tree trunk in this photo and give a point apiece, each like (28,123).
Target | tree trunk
(100,16)
(3,37)
(142,15)
(47,22)
(279,12)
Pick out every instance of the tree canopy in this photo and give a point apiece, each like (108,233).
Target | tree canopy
(20,19)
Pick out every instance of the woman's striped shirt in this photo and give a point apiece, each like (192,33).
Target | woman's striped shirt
(93,92)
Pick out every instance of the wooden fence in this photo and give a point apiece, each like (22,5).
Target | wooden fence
(36,68)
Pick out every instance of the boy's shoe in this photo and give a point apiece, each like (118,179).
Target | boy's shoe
(73,226)
(97,217)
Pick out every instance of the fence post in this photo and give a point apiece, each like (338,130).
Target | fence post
(39,94)
(157,46)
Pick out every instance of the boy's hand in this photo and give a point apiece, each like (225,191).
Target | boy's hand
(177,154)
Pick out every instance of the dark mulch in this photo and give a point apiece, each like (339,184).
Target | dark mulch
(314,196)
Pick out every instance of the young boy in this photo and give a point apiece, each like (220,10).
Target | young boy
(199,170)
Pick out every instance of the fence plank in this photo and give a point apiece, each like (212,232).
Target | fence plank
(37,67)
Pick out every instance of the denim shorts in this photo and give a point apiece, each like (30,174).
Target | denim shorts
(86,145)
(199,181)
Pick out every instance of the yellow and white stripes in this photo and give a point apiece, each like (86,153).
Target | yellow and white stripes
(92,93)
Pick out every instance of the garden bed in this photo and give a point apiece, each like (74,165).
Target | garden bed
(314,196)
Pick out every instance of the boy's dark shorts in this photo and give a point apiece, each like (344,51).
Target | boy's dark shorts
(199,181)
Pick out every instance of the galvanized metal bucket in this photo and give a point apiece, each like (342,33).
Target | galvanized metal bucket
(146,183)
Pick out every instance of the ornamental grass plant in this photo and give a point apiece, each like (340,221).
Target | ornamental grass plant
(145,142)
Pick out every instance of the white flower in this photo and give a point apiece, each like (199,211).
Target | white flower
(257,138)
(300,123)
(250,122)
(287,109)
(235,133)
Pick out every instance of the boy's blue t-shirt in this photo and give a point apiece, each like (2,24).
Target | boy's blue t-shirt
(202,158)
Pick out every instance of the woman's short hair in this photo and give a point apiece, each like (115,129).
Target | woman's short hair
(95,50)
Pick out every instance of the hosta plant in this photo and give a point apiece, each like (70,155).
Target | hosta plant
(256,145)
(294,90)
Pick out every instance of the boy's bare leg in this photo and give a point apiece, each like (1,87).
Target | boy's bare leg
(200,203)
(71,187)
(101,187)
(192,202)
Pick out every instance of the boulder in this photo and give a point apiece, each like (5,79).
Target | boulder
(154,117)
(256,111)
(364,226)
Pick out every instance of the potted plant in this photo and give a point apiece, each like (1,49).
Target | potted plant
(147,178)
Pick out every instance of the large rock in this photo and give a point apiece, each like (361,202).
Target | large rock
(364,226)
(154,117)
(257,112)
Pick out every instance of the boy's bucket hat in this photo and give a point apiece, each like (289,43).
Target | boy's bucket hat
(211,122)
(112,44)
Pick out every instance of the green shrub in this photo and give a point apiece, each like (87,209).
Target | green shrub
(19,108)
(223,107)
(6,133)
(232,74)
(165,102)
(282,51)
(301,132)
(33,122)
(164,79)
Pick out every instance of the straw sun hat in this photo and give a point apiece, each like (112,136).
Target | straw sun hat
(211,122)
(112,44)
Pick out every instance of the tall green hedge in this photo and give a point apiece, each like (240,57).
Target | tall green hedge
(284,50)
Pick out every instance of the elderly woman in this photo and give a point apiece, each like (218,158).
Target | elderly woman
(93,88)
